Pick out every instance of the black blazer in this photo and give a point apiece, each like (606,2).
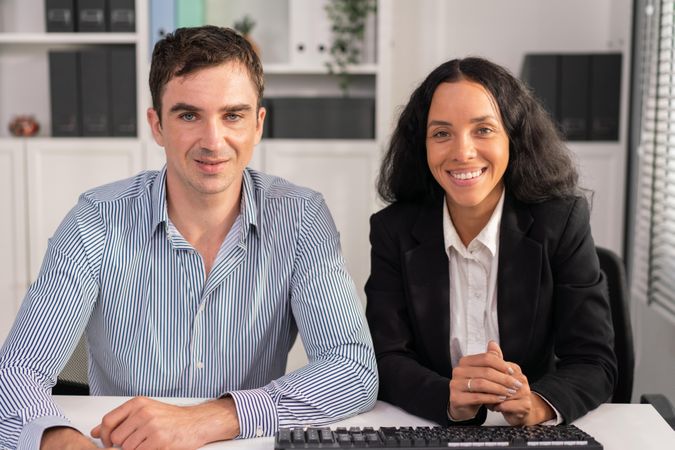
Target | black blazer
(553,312)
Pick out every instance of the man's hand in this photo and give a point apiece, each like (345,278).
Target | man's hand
(481,379)
(64,438)
(144,423)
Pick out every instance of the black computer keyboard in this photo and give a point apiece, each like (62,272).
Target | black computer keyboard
(561,437)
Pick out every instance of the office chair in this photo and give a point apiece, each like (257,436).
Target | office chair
(74,379)
(619,301)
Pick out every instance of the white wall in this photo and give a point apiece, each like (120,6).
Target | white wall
(654,339)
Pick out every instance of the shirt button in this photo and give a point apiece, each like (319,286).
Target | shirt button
(259,431)
(200,365)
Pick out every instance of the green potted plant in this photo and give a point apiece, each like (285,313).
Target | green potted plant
(348,23)
(245,26)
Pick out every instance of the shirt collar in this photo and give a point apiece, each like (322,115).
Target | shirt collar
(488,236)
(249,208)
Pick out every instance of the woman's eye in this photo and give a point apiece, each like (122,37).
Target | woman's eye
(440,134)
(484,131)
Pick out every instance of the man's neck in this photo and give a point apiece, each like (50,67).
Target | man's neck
(204,220)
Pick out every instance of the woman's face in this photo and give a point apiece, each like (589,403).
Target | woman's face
(467,146)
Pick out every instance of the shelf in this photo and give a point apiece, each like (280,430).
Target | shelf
(293,69)
(67,38)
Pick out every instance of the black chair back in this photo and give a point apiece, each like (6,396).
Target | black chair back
(619,299)
(74,379)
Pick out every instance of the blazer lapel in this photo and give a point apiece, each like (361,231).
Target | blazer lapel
(520,262)
(428,281)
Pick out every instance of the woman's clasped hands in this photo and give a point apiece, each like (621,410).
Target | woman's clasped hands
(487,379)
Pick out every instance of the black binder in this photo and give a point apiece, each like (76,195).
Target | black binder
(574,96)
(540,73)
(123,90)
(64,93)
(91,16)
(60,16)
(95,91)
(605,95)
(122,15)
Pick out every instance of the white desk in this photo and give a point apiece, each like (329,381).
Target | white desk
(616,427)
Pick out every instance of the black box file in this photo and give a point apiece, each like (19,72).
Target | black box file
(64,93)
(91,16)
(95,91)
(60,16)
(574,110)
(605,96)
(122,16)
(123,90)
(540,73)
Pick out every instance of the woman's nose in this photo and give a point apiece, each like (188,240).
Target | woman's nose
(462,147)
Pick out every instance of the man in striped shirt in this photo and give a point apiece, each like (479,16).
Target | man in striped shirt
(192,281)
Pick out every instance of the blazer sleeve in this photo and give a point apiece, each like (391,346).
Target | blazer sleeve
(586,371)
(405,381)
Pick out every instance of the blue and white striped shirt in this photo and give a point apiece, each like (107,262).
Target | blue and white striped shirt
(157,326)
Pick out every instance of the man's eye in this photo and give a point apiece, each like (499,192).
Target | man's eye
(232,117)
(188,117)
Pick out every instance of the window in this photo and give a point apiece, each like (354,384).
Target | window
(653,249)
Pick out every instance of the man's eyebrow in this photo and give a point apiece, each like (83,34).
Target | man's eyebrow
(236,108)
(183,107)
(227,108)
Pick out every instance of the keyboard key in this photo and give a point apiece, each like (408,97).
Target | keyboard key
(326,436)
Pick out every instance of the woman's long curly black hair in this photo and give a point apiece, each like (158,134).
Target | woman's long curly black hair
(540,165)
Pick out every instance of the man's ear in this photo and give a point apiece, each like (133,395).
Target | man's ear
(155,126)
(262,113)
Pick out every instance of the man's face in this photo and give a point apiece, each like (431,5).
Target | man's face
(210,124)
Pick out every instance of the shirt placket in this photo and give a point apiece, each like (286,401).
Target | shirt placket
(475,307)
(192,266)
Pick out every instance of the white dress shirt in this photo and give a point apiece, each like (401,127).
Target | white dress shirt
(473,286)
(473,289)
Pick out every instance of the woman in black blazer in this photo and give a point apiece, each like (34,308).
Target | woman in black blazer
(485,289)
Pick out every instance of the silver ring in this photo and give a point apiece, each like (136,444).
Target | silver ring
(468,385)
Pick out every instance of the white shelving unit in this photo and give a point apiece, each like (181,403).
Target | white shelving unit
(44,175)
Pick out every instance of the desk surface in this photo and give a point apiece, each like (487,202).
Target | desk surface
(615,426)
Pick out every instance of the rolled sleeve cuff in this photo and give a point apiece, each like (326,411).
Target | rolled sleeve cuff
(257,413)
(31,436)
(558,418)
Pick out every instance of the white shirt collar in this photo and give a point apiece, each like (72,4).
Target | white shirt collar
(488,236)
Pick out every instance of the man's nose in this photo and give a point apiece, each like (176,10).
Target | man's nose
(213,134)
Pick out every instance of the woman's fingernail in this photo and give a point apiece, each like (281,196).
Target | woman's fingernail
(502,397)
(510,370)
(517,385)
(511,391)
